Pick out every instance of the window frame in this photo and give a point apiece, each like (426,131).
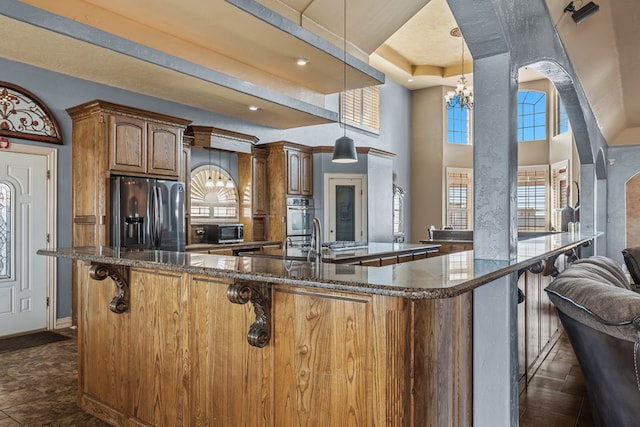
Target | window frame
(533,115)
(562,124)
(560,179)
(7,211)
(198,183)
(366,101)
(468,181)
(544,171)
(469,125)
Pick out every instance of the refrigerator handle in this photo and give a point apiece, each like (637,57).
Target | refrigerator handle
(159,218)
(154,218)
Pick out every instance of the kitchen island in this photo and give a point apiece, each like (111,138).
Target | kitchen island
(186,339)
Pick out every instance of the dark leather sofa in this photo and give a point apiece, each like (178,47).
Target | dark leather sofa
(600,314)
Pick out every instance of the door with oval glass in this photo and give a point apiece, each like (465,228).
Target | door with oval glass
(23,230)
(345,211)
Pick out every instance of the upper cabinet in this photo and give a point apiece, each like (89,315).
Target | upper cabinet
(290,169)
(110,138)
(299,171)
(259,196)
(145,143)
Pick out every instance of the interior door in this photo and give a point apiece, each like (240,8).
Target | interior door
(23,222)
(345,210)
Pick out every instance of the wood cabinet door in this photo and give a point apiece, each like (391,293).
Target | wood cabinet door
(293,172)
(164,145)
(325,377)
(158,371)
(103,338)
(230,381)
(259,185)
(306,174)
(127,144)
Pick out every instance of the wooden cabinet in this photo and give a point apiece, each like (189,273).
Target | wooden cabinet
(290,173)
(254,196)
(109,138)
(144,144)
(259,181)
(179,356)
(453,247)
(299,172)
(185,176)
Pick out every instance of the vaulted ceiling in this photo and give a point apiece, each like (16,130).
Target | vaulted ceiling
(224,55)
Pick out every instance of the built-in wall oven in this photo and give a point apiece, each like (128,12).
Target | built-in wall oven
(299,218)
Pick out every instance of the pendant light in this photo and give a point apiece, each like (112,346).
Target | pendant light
(344,150)
(462,96)
(219,182)
(209,183)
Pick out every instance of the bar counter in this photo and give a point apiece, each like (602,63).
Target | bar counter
(438,277)
(186,339)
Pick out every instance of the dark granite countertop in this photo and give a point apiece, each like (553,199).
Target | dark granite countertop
(437,277)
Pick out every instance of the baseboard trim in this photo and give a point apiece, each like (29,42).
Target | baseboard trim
(65,322)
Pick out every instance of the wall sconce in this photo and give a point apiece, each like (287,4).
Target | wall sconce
(583,13)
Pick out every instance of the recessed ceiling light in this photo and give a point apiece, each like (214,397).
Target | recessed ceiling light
(302,62)
(253,108)
(410,80)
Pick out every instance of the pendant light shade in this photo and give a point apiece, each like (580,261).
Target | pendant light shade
(344,151)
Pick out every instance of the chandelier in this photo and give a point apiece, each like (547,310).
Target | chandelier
(462,96)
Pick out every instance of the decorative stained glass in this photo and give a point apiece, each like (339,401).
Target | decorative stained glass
(24,116)
(5,231)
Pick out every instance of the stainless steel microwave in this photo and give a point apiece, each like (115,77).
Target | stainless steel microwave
(219,233)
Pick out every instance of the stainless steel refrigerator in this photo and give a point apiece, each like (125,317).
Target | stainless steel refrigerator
(147,213)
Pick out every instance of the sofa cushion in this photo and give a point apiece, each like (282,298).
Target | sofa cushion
(606,268)
(596,303)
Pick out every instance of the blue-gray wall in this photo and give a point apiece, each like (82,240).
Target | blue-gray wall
(60,92)
(626,165)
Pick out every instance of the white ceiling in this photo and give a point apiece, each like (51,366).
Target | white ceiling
(213,39)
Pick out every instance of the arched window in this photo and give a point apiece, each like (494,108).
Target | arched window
(214,195)
(5,231)
(532,115)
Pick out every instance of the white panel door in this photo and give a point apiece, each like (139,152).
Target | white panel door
(345,210)
(23,225)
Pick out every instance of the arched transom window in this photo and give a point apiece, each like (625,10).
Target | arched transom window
(214,195)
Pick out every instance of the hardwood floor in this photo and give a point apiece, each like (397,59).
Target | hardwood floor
(38,388)
(556,396)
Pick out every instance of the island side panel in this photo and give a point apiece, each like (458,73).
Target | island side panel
(158,353)
(339,358)
(229,378)
(103,349)
(442,336)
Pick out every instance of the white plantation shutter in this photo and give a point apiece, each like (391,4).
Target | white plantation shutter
(532,198)
(459,197)
(360,108)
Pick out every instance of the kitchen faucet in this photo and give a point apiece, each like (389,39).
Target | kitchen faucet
(316,238)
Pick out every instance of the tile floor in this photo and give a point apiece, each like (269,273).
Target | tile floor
(38,388)
(556,395)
